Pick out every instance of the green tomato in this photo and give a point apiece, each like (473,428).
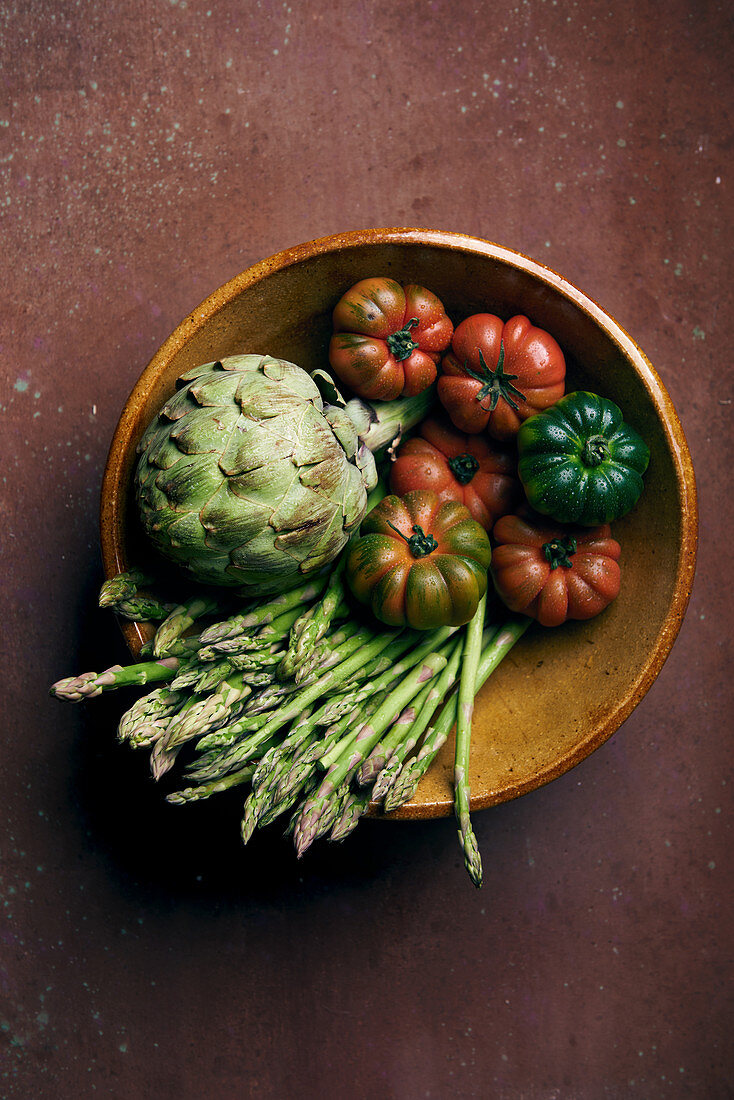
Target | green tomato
(579,462)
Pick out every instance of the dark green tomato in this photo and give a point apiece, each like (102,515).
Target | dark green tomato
(579,462)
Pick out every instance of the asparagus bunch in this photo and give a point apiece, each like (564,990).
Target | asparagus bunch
(317,714)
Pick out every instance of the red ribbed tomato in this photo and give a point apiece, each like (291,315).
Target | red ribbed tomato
(419,562)
(496,375)
(553,573)
(460,467)
(388,339)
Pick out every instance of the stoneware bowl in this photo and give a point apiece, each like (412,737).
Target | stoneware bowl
(560,693)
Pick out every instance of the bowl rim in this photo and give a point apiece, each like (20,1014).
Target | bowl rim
(112,502)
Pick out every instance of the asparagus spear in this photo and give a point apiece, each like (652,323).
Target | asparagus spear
(385,760)
(333,810)
(142,609)
(354,751)
(123,586)
(298,766)
(182,647)
(178,622)
(306,758)
(90,684)
(392,664)
(205,790)
(361,648)
(214,663)
(264,613)
(312,625)
(120,594)
(148,712)
(190,672)
(215,786)
(209,712)
(464,714)
(348,639)
(264,641)
(353,808)
(162,757)
(413,771)
(240,644)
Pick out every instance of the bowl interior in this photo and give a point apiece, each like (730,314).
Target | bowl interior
(560,693)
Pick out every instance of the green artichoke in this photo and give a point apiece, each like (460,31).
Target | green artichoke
(246,478)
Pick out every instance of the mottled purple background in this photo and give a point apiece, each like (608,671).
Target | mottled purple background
(150,151)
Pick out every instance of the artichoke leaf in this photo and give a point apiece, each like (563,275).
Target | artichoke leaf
(155,455)
(258,396)
(253,445)
(231,520)
(327,387)
(354,500)
(315,547)
(297,380)
(156,517)
(211,569)
(177,406)
(343,428)
(246,362)
(191,478)
(184,533)
(204,430)
(213,389)
(315,441)
(301,542)
(262,569)
(362,415)
(197,372)
(365,463)
(266,485)
(158,452)
(303,507)
(324,477)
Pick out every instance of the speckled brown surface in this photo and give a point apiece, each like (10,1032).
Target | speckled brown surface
(148,154)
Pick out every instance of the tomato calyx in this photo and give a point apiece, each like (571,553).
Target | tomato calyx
(558,551)
(419,542)
(595,450)
(401,343)
(495,383)
(463,467)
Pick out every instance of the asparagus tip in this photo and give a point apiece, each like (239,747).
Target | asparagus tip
(472,858)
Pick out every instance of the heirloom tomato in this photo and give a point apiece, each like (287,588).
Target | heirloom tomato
(553,573)
(388,338)
(495,375)
(420,562)
(579,462)
(466,468)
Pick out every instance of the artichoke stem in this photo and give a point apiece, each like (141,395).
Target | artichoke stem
(391,419)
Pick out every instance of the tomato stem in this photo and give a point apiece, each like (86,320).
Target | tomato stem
(595,450)
(463,467)
(558,551)
(495,383)
(401,343)
(419,542)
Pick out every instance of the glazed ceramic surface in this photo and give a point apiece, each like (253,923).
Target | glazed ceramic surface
(560,693)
